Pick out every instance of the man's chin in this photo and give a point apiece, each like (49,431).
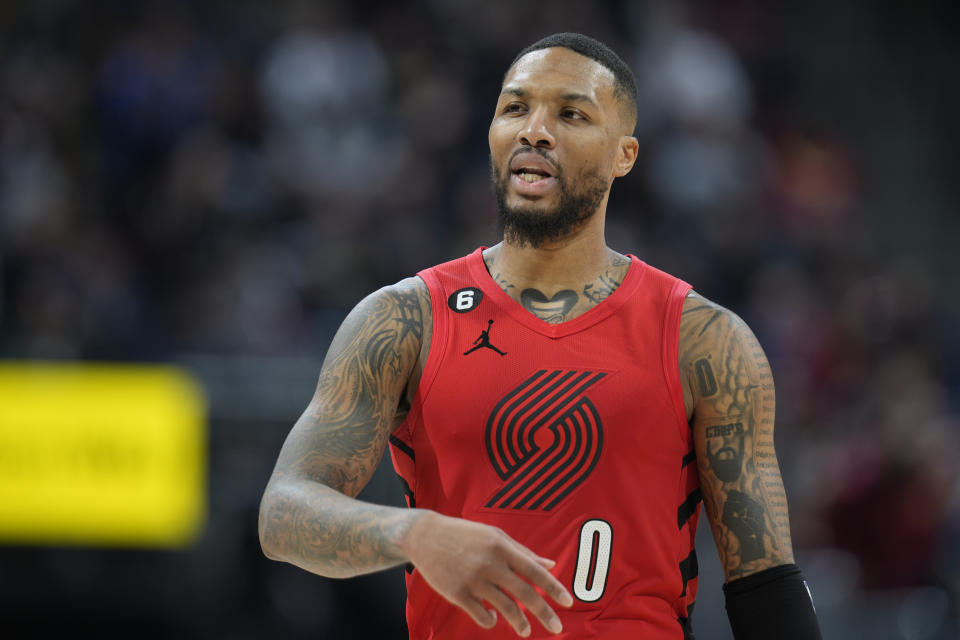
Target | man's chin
(537,226)
(530,212)
(529,209)
(553,216)
(532,206)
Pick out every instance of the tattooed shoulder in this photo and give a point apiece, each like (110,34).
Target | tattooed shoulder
(704,326)
(362,389)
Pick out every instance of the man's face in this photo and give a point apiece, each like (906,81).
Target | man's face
(557,141)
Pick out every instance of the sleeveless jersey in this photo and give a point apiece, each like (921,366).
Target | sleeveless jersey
(570,437)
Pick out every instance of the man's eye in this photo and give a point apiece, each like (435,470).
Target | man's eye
(513,107)
(571,114)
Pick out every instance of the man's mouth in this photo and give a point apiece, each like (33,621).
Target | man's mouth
(530,167)
(531,175)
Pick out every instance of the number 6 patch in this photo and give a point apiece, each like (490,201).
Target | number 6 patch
(463,300)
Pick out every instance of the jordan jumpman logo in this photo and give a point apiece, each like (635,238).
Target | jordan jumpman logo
(484,341)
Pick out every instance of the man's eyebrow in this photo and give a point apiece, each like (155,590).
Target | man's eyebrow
(520,92)
(578,97)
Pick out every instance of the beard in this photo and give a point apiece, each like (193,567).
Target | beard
(524,226)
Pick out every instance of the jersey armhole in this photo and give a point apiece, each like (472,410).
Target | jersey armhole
(671,350)
(438,347)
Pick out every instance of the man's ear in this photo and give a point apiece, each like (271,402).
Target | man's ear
(626,156)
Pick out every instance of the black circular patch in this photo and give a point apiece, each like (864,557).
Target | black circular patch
(463,300)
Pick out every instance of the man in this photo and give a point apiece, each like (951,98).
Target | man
(544,400)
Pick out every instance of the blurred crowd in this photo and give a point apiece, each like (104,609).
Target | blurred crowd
(230,177)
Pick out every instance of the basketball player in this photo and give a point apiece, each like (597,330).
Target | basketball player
(556,411)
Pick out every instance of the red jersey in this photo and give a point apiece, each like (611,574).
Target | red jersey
(570,437)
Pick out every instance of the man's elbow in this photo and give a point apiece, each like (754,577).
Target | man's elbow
(268,537)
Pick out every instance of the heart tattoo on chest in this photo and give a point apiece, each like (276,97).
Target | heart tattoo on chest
(554,309)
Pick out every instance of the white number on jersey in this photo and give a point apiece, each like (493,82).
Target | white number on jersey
(465,299)
(590,579)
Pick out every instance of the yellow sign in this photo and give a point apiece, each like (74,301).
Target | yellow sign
(101,454)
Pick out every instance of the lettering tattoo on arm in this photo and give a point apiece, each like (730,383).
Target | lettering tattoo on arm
(308,516)
(729,378)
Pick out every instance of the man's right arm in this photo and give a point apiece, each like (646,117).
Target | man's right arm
(308,516)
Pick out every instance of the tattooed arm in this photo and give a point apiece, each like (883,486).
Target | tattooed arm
(729,394)
(308,516)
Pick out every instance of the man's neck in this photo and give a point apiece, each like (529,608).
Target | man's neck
(560,281)
(554,265)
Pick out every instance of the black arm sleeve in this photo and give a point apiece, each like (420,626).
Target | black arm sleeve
(774,603)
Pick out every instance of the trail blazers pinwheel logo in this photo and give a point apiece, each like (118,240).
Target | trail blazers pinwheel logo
(544,438)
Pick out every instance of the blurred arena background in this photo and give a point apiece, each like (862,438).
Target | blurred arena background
(212,185)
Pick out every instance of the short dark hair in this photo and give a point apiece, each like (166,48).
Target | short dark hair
(624,82)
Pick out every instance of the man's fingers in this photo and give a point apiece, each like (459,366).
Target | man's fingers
(527,551)
(537,573)
(508,607)
(524,592)
(484,617)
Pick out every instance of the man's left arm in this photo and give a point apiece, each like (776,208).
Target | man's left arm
(730,400)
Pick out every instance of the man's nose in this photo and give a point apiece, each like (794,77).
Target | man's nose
(536,130)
